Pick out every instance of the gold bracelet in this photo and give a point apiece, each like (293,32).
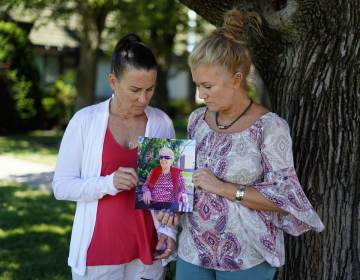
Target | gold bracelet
(240,192)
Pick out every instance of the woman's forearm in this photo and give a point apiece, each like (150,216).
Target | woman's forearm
(252,198)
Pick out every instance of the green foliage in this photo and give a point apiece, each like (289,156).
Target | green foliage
(162,24)
(59,102)
(157,22)
(20,88)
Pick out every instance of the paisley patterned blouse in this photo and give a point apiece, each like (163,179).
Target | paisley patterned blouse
(224,235)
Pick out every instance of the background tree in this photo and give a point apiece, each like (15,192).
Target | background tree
(163,25)
(99,24)
(308,58)
(89,23)
(92,16)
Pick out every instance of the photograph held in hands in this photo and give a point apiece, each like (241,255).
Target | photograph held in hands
(165,168)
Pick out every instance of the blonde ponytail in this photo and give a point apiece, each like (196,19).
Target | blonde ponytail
(227,45)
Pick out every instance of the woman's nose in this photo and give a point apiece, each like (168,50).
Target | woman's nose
(142,97)
(202,94)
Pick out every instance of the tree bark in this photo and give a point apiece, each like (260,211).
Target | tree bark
(162,43)
(86,76)
(309,59)
(161,97)
(92,22)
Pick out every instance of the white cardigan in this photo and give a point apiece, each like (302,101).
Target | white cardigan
(77,173)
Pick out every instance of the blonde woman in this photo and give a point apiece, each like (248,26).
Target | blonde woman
(248,192)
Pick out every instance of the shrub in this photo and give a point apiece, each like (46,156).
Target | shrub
(59,101)
(20,91)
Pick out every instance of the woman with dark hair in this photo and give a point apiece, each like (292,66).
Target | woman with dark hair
(96,169)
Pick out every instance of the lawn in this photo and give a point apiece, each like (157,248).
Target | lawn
(37,146)
(34,234)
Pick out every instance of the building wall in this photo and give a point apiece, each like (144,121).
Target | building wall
(102,87)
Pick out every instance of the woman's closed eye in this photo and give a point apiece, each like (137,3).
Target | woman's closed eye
(135,90)
(207,85)
(150,89)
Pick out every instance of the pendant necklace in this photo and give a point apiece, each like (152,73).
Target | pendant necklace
(132,144)
(221,126)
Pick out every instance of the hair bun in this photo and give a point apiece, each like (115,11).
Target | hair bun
(131,37)
(126,41)
(131,52)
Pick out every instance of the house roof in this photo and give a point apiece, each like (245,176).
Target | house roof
(46,31)
(53,35)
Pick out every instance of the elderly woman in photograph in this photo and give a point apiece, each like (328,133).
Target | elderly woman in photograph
(165,185)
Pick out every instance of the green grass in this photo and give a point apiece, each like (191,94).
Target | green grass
(38,146)
(34,234)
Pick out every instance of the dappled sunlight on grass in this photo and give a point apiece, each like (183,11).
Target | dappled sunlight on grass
(30,194)
(43,228)
(39,147)
(45,248)
(12,232)
(34,234)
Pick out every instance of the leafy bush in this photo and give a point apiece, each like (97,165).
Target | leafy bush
(20,92)
(59,102)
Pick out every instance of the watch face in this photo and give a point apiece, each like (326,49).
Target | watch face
(240,192)
(238,195)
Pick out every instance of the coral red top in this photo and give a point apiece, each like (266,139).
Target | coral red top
(122,233)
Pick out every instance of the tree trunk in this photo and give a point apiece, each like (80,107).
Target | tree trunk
(92,23)
(309,59)
(86,77)
(161,97)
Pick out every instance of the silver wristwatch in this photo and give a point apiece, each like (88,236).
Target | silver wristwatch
(240,192)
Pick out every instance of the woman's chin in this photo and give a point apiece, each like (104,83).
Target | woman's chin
(212,107)
(165,170)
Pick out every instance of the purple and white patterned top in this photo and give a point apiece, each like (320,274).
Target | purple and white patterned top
(224,235)
(163,190)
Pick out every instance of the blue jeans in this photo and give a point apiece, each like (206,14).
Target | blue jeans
(188,271)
